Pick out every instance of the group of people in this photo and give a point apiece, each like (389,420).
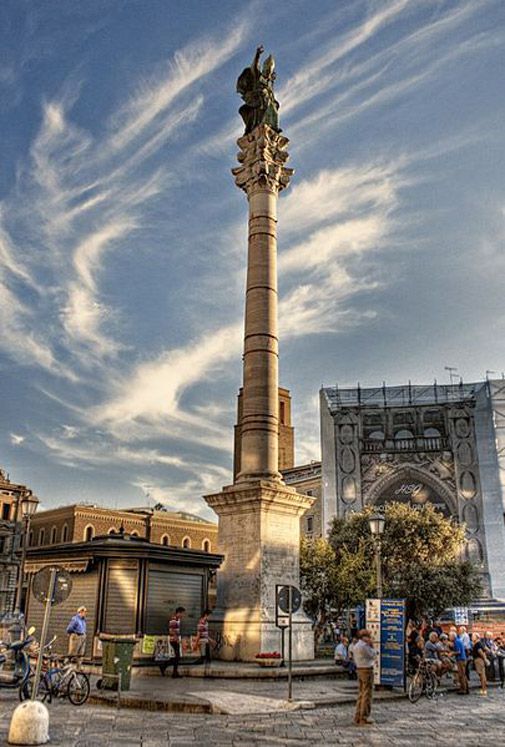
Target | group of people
(201,643)
(456,652)
(344,655)
(76,631)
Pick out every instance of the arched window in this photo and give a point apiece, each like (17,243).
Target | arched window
(53,535)
(206,545)
(403,434)
(30,538)
(64,533)
(186,543)
(432,433)
(165,540)
(42,536)
(112,530)
(89,533)
(134,533)
(376,436)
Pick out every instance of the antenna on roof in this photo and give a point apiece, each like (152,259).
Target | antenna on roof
(410,392)
(452,372)
(359,394)
(384,394)
(435,390)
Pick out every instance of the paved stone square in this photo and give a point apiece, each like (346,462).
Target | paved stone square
(472,721)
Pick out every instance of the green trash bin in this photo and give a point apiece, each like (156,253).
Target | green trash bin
(117,660)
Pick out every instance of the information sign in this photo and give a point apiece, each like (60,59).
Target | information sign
(385,618)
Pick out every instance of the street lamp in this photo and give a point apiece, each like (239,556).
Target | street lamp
(28,504)
(376,523)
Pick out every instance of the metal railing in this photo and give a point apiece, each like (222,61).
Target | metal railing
(419,443)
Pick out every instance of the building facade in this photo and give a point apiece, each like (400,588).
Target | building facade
(439,444)
(307,479)
(11,530)
(81,523)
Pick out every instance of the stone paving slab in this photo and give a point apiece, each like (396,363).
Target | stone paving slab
(451,721)
(228,702)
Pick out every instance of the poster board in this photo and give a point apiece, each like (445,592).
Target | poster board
(385,619)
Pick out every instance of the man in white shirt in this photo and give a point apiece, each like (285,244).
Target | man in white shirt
(364,656)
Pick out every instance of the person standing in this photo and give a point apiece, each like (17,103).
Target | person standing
(467,645)
(491,655)
(174,635)
(500,656)
(76,630)
(364,656)
(203,640)
(460,657)
(480,661)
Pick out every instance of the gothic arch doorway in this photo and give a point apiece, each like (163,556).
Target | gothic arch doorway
(413,486)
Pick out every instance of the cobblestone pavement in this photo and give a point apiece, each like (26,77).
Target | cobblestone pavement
(471,721)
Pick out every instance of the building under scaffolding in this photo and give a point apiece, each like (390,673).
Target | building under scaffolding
(444,444)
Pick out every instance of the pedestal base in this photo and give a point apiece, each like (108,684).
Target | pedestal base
(259,534)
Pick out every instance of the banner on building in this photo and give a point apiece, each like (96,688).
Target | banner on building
(385,619)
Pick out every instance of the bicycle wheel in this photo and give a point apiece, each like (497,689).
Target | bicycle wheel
(430,684)
(78,688)
(43,691)
(416,687)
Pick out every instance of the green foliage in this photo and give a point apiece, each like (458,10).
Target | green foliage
(420,551)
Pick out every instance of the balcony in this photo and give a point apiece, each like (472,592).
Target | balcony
(419,443)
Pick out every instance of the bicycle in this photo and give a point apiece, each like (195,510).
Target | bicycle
(424,682)
(60,682)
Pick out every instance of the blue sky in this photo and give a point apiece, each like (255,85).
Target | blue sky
(123,237)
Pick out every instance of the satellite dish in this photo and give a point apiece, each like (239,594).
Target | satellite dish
(42,581)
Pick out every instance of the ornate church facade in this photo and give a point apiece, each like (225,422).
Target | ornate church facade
(416,444)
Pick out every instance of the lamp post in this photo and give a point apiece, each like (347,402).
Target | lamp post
(376,523)
(28,504)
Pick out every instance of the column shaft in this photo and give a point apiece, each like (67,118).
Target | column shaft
(260,418)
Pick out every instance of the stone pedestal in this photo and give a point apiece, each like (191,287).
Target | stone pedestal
(259,532)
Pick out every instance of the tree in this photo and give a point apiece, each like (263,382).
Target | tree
(421,557)
(329,586)
(421,562)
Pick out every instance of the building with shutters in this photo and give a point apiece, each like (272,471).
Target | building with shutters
(439,444)
(128,584)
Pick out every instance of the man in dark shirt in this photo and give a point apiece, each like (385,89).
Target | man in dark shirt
(174,634)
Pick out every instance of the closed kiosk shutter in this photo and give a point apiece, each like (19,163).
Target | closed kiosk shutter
(167,590)
(121,597)
(84,592)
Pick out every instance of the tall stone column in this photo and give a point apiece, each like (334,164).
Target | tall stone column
(259,516)
(262,175)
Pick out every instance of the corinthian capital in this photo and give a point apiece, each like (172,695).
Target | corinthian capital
(262,156)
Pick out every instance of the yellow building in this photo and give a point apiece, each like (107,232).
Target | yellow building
(83,522)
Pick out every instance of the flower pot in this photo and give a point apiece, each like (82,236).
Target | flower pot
(269,662)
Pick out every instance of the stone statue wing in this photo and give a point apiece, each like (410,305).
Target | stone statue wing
(245,81)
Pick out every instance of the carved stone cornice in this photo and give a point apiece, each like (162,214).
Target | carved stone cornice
(259,496)
(262,156)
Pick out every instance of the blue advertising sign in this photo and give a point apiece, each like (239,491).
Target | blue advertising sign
(392,642)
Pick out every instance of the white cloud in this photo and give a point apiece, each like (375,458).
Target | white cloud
(16,440)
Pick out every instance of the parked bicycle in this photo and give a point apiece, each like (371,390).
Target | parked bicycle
(59,680)
(424,681)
